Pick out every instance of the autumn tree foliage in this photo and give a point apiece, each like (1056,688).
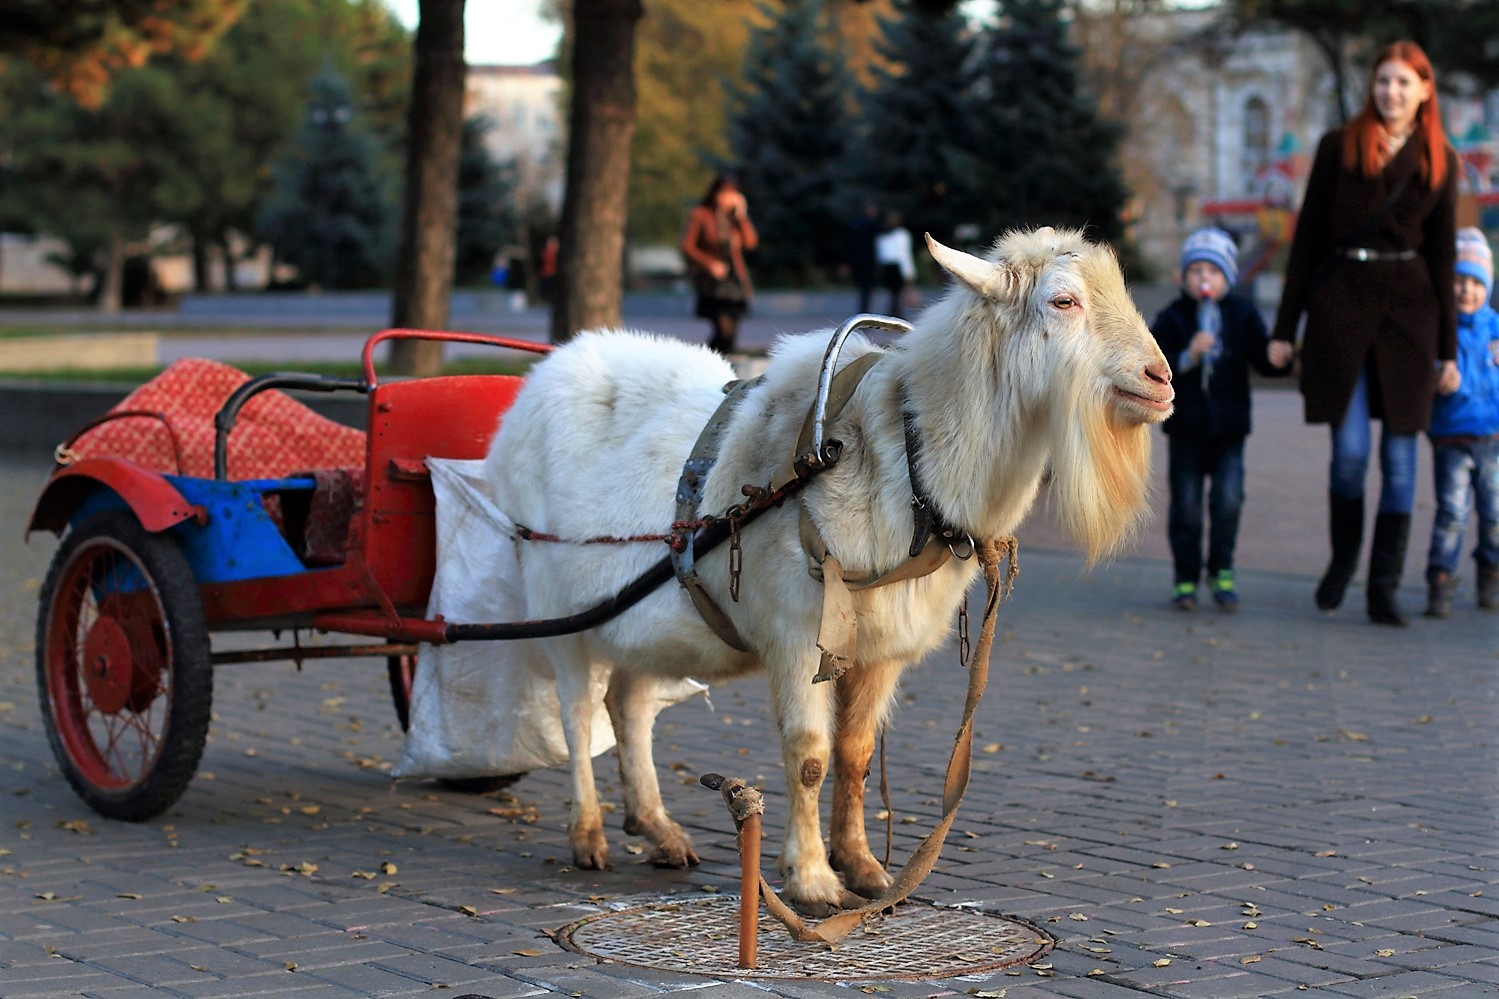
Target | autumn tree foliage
(81,44)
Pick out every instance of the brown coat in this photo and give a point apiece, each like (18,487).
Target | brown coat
(1399,314)
(708,232)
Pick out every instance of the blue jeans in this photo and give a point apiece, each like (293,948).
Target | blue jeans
(1188,463)
(1463,471)
(1351,442)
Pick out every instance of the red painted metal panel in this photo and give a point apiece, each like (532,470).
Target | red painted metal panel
(155,501)
(452,416)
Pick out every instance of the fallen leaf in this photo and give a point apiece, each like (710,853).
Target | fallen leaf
(1162,962)
(528,952)
(1250,959)
(1384,952)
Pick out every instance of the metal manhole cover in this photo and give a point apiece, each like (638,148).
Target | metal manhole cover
(700,936)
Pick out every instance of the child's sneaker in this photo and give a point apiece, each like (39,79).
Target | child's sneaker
(1184,596)
(1224,593)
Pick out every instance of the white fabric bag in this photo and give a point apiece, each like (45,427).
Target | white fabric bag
(481,709)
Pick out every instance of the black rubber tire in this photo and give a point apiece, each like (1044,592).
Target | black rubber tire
(402,671)
(121,603)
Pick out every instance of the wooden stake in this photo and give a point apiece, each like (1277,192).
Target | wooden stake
(749,889)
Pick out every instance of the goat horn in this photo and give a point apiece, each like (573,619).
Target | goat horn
(985,279)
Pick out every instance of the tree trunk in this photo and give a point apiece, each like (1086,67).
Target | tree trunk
(429,220)
(594,208)
(112,277)
(201,280)
(226,250)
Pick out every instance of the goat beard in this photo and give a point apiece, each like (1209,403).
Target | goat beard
(1100,486)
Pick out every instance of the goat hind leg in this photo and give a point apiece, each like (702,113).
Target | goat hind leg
(585,825)
(863,701)
(633,704)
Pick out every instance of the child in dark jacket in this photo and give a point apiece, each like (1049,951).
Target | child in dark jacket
(1465,437)
(1211,338)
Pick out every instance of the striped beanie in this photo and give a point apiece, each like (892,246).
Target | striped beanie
(1216,247)
(1474,258)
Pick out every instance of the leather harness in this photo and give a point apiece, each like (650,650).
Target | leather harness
(933,540)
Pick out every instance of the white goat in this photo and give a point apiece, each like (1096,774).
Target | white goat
(1037,357)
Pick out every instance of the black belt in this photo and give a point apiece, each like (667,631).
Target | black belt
(1365,255)
(1463,440)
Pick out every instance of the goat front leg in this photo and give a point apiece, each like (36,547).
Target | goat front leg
(864,694)
(804,716)
(633,704)
(585,824)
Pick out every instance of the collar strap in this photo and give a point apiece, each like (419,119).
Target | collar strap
(928,521)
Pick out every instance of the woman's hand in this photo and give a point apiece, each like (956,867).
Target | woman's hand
(1281,352)
(1449,380)
(718,269)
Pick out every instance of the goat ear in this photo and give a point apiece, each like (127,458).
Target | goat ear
(988,280)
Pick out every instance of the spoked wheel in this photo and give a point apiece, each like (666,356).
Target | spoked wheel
(123,666)
(402,671)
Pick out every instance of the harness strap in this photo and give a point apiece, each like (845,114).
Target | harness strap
(702,459)
(689,495)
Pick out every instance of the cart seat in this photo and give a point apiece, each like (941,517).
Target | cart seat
(166,425)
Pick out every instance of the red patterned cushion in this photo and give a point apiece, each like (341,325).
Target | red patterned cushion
(274,436)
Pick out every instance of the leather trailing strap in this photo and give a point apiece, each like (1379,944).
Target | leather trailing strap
(991,553)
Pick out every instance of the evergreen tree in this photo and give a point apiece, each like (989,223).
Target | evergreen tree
(1052,159)
(788,131)
(486,210)
(910,155)
(332,212)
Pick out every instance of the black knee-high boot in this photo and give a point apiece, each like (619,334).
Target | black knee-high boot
(1386,562)
(1345,520)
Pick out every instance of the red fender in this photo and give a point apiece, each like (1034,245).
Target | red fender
(154,501)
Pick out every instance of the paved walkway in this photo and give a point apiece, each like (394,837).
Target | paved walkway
(1278,802)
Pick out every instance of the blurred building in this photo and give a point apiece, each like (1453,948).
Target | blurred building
(524,108)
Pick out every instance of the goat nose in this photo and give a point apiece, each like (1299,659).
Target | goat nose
(1159,372)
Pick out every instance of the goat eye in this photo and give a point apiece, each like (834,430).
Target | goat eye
(1063,302)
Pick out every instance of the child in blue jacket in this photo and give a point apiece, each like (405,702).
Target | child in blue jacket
(1205,435)
(1465,437)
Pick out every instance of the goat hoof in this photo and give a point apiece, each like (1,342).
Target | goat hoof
(815,910)
(590,852)
(676,855)
(867,882)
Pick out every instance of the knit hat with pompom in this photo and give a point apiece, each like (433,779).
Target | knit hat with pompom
(1474,258)
(1216,247)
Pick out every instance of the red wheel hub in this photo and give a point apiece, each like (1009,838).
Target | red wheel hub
(107,666)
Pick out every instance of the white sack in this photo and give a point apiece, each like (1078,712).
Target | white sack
(481,709)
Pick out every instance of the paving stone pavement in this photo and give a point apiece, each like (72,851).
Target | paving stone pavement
(1272,803)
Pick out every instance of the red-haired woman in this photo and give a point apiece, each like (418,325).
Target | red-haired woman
(1371,266)
(718,233)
